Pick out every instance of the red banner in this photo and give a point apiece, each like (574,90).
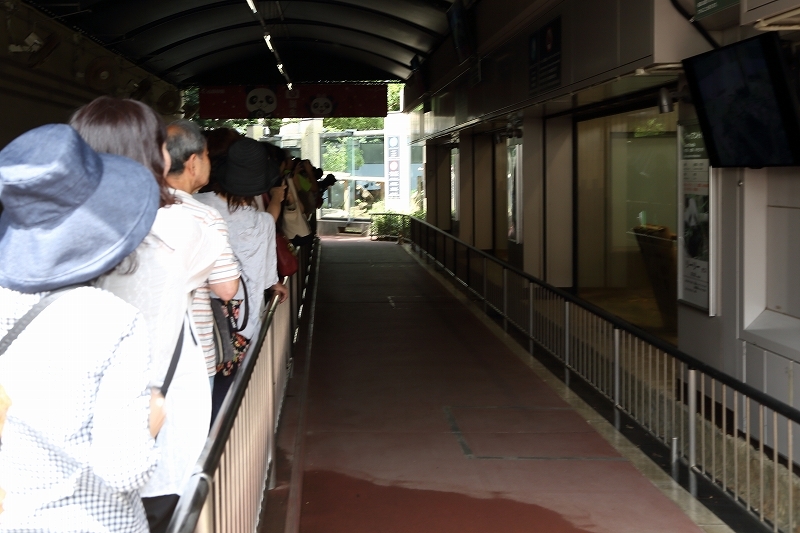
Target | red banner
(304,101)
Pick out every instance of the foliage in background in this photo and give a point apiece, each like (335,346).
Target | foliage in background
(336,156)
(388,226)
(352,123)
(393,96)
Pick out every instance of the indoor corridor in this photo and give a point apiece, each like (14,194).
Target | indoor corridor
(408,411)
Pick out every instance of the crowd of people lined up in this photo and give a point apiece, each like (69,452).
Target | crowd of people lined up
(136,261)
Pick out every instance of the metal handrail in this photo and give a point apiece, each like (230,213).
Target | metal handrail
(736,436)
(191,502)
(768,401)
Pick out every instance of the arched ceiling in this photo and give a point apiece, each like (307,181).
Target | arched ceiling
(220,42)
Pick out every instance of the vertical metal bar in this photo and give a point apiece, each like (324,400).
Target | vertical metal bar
(724,437)
(485,285)
(692,417)
(650,386)
(713,432)
(505,299)
(790,474)
(761,461)
(703,423)
(746,401)
(566,333)
(530,317)
(683,402)
(616,367)
(665,395)
(629,371)
(469,266)
(775,470)
(639,383)
(735,439)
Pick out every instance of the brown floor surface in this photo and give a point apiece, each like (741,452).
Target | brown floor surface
(416,418)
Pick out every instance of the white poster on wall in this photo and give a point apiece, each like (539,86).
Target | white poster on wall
(694,252)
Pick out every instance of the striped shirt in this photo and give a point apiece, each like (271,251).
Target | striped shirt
(226,268)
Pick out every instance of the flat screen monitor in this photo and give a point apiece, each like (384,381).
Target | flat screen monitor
(746,105)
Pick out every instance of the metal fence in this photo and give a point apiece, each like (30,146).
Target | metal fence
(388,226)
(237,464)
(736,436)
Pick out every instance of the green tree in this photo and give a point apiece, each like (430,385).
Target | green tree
(393,95)
(352,123)
(336,155)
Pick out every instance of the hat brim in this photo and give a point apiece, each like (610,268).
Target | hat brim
(90,241)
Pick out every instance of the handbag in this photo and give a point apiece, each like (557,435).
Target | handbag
(287,261)
(227,340)
(293,221)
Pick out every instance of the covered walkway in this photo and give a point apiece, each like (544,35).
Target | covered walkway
(408,411)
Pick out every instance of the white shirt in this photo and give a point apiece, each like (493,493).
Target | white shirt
(76,444)
(225,269)
(252,237)
(175,258)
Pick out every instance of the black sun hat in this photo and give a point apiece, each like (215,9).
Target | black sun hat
(249,170)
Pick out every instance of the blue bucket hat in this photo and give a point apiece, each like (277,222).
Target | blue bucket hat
(69,213)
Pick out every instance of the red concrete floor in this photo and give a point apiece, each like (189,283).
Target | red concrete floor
(415,417)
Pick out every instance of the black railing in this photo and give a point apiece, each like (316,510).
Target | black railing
(232,473)
(737,436)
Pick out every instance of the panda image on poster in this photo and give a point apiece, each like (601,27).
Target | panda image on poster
(261,102)
(321,106)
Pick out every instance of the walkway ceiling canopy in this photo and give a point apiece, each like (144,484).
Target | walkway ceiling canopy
(221,42)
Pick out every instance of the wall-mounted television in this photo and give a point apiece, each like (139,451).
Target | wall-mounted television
(746,104)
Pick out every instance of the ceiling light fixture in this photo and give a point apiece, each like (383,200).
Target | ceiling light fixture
(268,40)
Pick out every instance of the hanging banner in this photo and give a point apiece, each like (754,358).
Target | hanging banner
(706,8)
(304,101)
(694,254)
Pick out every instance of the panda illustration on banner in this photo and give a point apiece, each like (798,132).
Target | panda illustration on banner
(321,106)
(261,102)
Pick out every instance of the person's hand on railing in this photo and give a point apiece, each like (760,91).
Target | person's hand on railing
(281,290)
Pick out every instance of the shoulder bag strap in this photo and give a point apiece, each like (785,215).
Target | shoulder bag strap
(235,328)
(173,364)
(32,313)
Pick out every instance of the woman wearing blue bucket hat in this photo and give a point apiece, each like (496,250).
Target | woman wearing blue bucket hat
(78,441)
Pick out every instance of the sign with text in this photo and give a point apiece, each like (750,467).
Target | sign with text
(694,223)
(544,62)
(393,162)
(706,8)
(303,101)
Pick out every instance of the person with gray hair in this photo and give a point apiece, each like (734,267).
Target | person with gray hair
(189,171)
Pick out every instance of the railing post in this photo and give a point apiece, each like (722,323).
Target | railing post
(485,285)
(530,318)
(505,300)
(674,457)
(617,397)
(469,268)
(566,333)
(692,417)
